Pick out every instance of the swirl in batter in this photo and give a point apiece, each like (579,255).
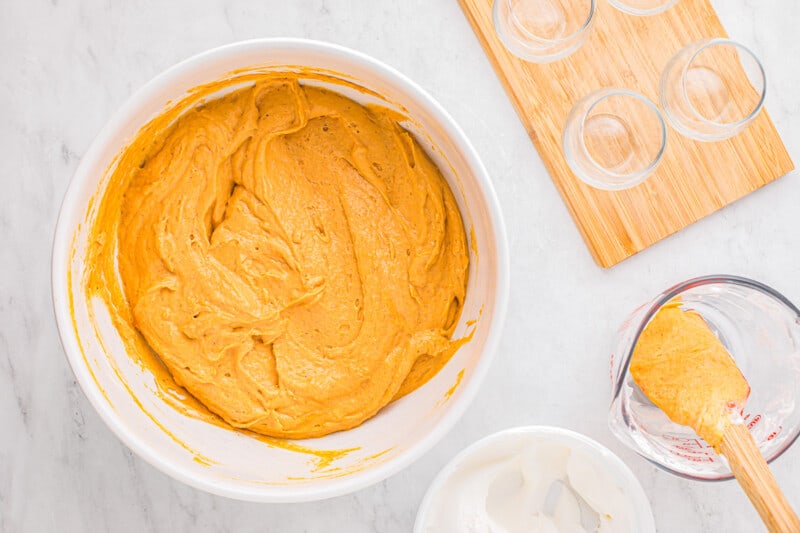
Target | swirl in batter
(294,258)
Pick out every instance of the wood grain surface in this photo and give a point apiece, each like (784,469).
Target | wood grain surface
(694,178)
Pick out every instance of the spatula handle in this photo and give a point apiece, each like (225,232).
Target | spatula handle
(755,477)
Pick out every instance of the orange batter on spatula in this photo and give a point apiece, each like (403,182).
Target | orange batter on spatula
(685,370)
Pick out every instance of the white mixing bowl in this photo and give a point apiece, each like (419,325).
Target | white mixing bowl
(227,462)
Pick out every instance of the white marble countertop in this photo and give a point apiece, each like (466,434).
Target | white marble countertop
(69,65)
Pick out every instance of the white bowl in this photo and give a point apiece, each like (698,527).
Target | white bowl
(234,464)
(503,444)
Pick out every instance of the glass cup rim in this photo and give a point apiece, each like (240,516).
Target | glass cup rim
(657,304)
(709,43)
(629,179)
(533,37)
(619,4)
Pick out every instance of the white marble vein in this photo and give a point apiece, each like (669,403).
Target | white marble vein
(67,66)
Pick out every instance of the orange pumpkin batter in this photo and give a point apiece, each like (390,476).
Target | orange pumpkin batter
(686,371)
(295,259)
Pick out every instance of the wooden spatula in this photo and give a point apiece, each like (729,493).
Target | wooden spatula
(685,370)
(755,477)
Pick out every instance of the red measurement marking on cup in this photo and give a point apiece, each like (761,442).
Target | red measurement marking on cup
(687,440)
(704,458)
(611,369)
(691,449)
(698,451)
(774,433)
(756,419)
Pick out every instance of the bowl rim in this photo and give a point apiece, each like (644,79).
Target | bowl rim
(641,504)
(61,257)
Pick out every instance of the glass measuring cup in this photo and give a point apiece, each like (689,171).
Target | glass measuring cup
(542,31)
(761,330)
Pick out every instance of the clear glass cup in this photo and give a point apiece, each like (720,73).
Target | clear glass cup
(643,8)
(542,31)
(761,330)
(711,89)
(614,138)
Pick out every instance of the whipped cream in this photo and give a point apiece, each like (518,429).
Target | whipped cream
(531,483)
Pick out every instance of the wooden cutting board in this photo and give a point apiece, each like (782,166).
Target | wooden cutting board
(694,178)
